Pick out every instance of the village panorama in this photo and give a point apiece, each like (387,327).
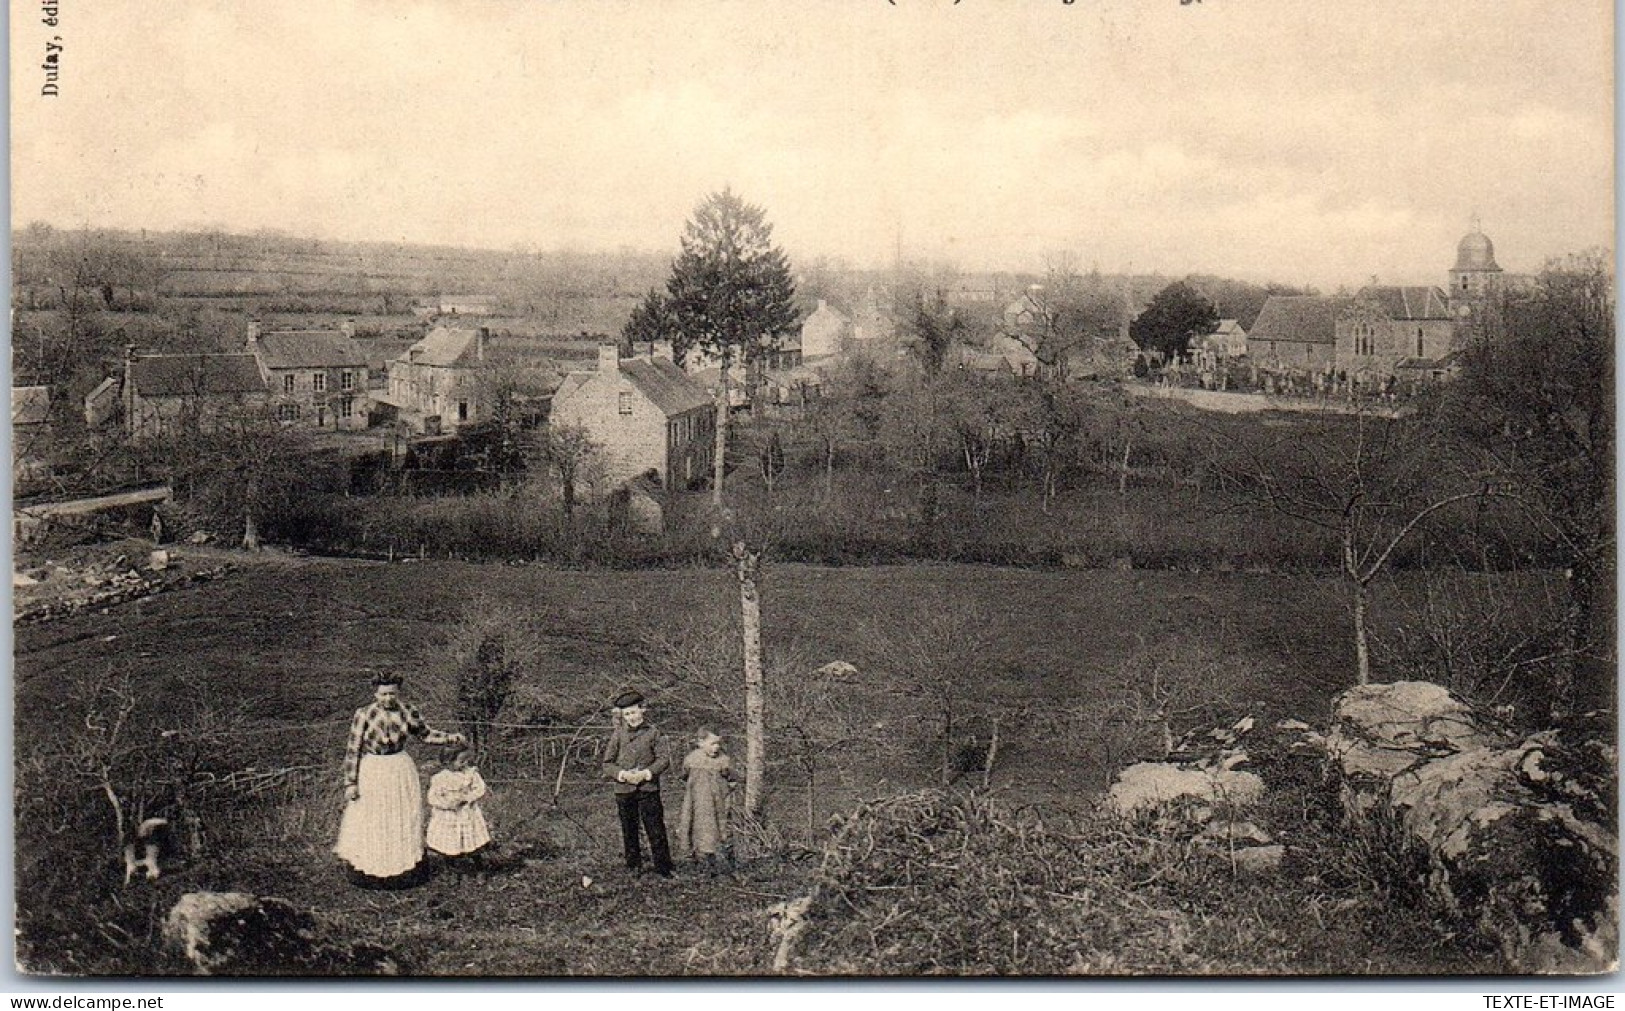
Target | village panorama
(385,609)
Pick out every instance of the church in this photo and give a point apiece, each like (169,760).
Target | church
(1407,332)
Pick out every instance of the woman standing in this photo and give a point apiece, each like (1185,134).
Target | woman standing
(381,833)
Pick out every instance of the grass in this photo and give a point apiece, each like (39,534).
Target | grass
(274,657)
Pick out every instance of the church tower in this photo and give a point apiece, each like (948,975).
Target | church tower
(1476,277)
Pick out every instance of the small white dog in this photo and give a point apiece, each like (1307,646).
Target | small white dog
(151,839)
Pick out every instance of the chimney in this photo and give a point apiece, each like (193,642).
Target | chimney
(253,333)
(661,351)
(480,335)
(348,329)
(609,358)
(821,305)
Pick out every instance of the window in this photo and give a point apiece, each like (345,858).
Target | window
(462,410)
(287,383)
(625,401)
(318,381)
(346,406)
(1419,342)
(321,417)
(287,412)
(346,380)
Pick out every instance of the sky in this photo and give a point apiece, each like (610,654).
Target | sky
(1303,142)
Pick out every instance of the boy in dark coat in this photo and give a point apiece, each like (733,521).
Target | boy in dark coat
(633,759)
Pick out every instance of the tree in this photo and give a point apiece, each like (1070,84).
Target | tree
(1176,314)
(1064,317)
(651,322)
(1371,481)
(983,413)
(511,394)
(1053,418)
(1539,397)
(829,421)
(810,712)
(938,658)
(932,327)
(916,428)
(571,453)
(730,295)
(747,565)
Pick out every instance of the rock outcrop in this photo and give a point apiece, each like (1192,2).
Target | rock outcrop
(1517,835)
(238,934)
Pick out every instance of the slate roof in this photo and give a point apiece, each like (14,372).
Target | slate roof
(1414,302)
(192,375)
(310,349)
(1229,328)
(1308,319)
(446,346)
(671,389)
(30,405)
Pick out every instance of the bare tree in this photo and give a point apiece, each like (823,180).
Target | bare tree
(747,565)
(1371,481)
(572,454)
(937,658)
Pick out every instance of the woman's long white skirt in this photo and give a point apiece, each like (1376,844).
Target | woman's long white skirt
(381,833)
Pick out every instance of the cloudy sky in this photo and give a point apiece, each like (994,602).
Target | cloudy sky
(1266,139)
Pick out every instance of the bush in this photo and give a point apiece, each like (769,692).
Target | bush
(938,883)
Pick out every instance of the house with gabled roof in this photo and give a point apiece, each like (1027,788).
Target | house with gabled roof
(825,331)
(438,384)
(178,394)
(646,413)
(316,378)
(1297,333)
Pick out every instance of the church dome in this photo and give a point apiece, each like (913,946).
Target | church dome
(1475,251)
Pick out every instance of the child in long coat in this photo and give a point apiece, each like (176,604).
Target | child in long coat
(456,823)
(702,828)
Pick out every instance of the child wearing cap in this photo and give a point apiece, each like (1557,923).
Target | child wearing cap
(633,759)
(702,828)
(456,824)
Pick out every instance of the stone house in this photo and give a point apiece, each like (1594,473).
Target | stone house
(825,331)
(1296,333)
(168,394)
(316,378)
(441,377)
(646,413)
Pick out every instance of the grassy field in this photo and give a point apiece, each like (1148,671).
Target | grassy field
(267,664)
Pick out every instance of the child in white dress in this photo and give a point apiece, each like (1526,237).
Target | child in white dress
(456,823)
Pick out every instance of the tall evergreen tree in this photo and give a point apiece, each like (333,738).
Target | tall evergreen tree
(651,321)
(730,295)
